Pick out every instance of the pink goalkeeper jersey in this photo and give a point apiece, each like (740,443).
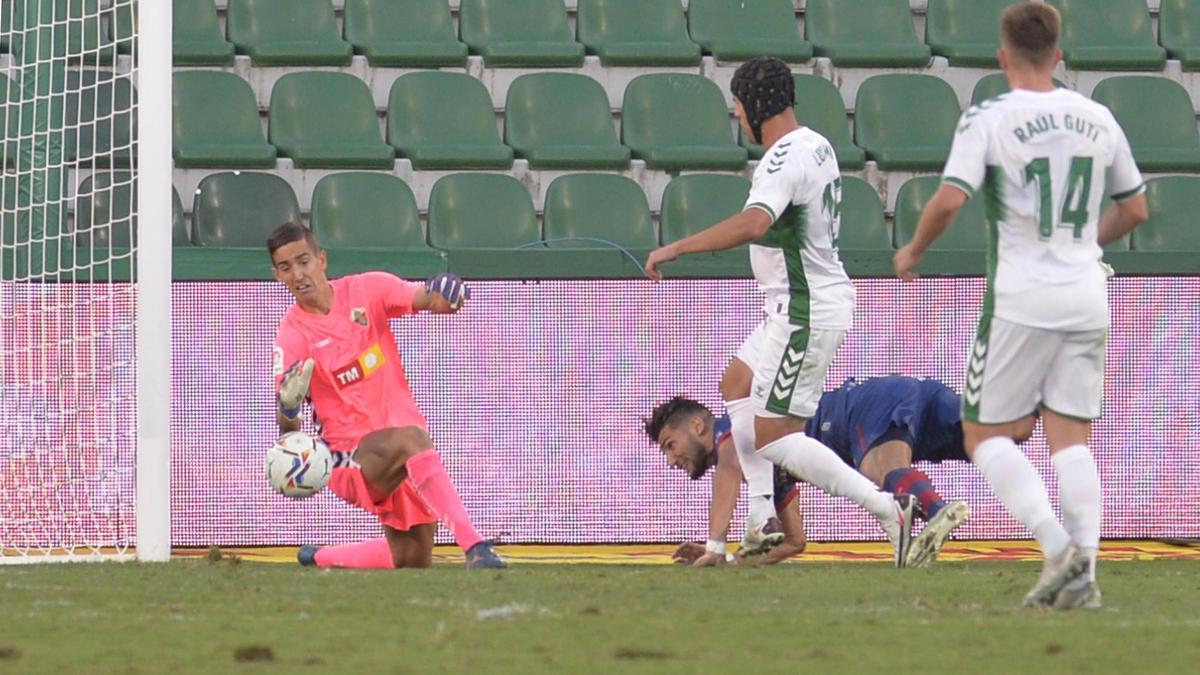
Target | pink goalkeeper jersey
(358,385)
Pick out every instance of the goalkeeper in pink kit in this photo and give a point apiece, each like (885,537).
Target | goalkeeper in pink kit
(334,347)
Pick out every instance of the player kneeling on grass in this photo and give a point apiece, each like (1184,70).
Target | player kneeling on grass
(335,348)
(880,427)
(695,441)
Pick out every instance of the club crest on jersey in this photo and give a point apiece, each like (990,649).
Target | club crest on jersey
(359,316)
(361,368)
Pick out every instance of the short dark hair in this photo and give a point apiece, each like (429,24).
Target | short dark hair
(288,233)
(672,413)
(1030,31)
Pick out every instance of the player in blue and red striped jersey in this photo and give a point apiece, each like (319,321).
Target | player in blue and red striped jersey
(880,426)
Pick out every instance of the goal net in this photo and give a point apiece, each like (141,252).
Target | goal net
(75,372)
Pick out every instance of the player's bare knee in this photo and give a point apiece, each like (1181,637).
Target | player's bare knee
(404,442)
(1023,429)
(767,430)
(735,383)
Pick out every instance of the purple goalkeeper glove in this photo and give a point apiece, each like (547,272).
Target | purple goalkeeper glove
(450,287)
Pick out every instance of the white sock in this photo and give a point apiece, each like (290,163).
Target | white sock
(1079,493)
(815,464)
(1020,489)
(759,472)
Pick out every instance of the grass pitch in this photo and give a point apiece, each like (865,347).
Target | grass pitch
(199,616)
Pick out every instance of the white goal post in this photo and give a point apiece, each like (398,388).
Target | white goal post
(85,280)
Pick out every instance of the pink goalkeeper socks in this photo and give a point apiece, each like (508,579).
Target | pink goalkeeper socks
(372,554)
(430,480)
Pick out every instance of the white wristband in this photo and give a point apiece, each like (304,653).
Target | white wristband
(717,547)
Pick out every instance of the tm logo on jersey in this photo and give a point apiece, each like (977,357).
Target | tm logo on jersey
(361,368)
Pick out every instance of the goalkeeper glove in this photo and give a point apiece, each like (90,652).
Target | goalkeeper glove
(293,389)
(450,287)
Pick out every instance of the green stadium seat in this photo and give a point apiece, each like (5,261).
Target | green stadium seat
(1163,134)
(366,210)
(597,206)
(1108,35)
(562,121)
(736,30)
(991,86)
(1173,202)
(677,121)
(100,118)
(6,23)
(197,37)
(906,122)
(445,121)
(966,32)
(327,120)
(409,34)
(969,231)
(287,32)
(8,123)
(77,35)
(240,209)
(1179,31)
(524,33)
(819,106)
(121,22)
(215,122)
(179,233)
(636,33)
(874,33)
(104,216)
(698,201)
(481,210)
(863,226)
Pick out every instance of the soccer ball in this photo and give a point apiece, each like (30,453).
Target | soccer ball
(299,465)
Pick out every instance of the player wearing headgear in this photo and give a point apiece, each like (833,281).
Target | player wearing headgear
(1043,157)
(791,222)
(880,426)
(335,348)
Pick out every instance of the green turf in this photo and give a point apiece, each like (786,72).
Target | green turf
(217,617)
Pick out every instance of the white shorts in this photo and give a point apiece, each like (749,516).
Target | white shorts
(789,365)
(1014,369)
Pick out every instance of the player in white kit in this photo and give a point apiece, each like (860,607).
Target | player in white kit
(791,222)
(1043,158)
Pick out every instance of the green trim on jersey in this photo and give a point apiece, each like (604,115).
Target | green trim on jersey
(764,207)
(787,235)
(1121,196)
(993,195)
(961,184)
(780,399)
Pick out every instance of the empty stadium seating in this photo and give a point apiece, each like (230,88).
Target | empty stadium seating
(179,233)
(640,33)
(965,31)
(215,122)
(865,33)
(1108,35)
(1163,134)
(1179,31)
(862,222)
(366,210)
(481,210)
(197,39)
(736,30)
(409,34)
(695,202)
(104,215)
(327,120)
(677,121)
(562,121)
(906,122)
(581,208)
(530,33)
(445,121)
(99,117)
(967,233)
(286,32)
(1174,202)
(240,209)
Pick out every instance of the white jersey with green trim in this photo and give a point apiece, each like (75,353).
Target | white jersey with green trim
(1045,160)
(796,262)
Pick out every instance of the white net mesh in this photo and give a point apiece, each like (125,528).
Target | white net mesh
(68,370)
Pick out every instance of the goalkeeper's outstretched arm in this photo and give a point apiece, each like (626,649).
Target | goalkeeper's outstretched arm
(293,390)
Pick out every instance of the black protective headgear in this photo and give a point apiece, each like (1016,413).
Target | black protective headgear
(765,87)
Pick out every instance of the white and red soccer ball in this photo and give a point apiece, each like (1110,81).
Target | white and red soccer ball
(299,465)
